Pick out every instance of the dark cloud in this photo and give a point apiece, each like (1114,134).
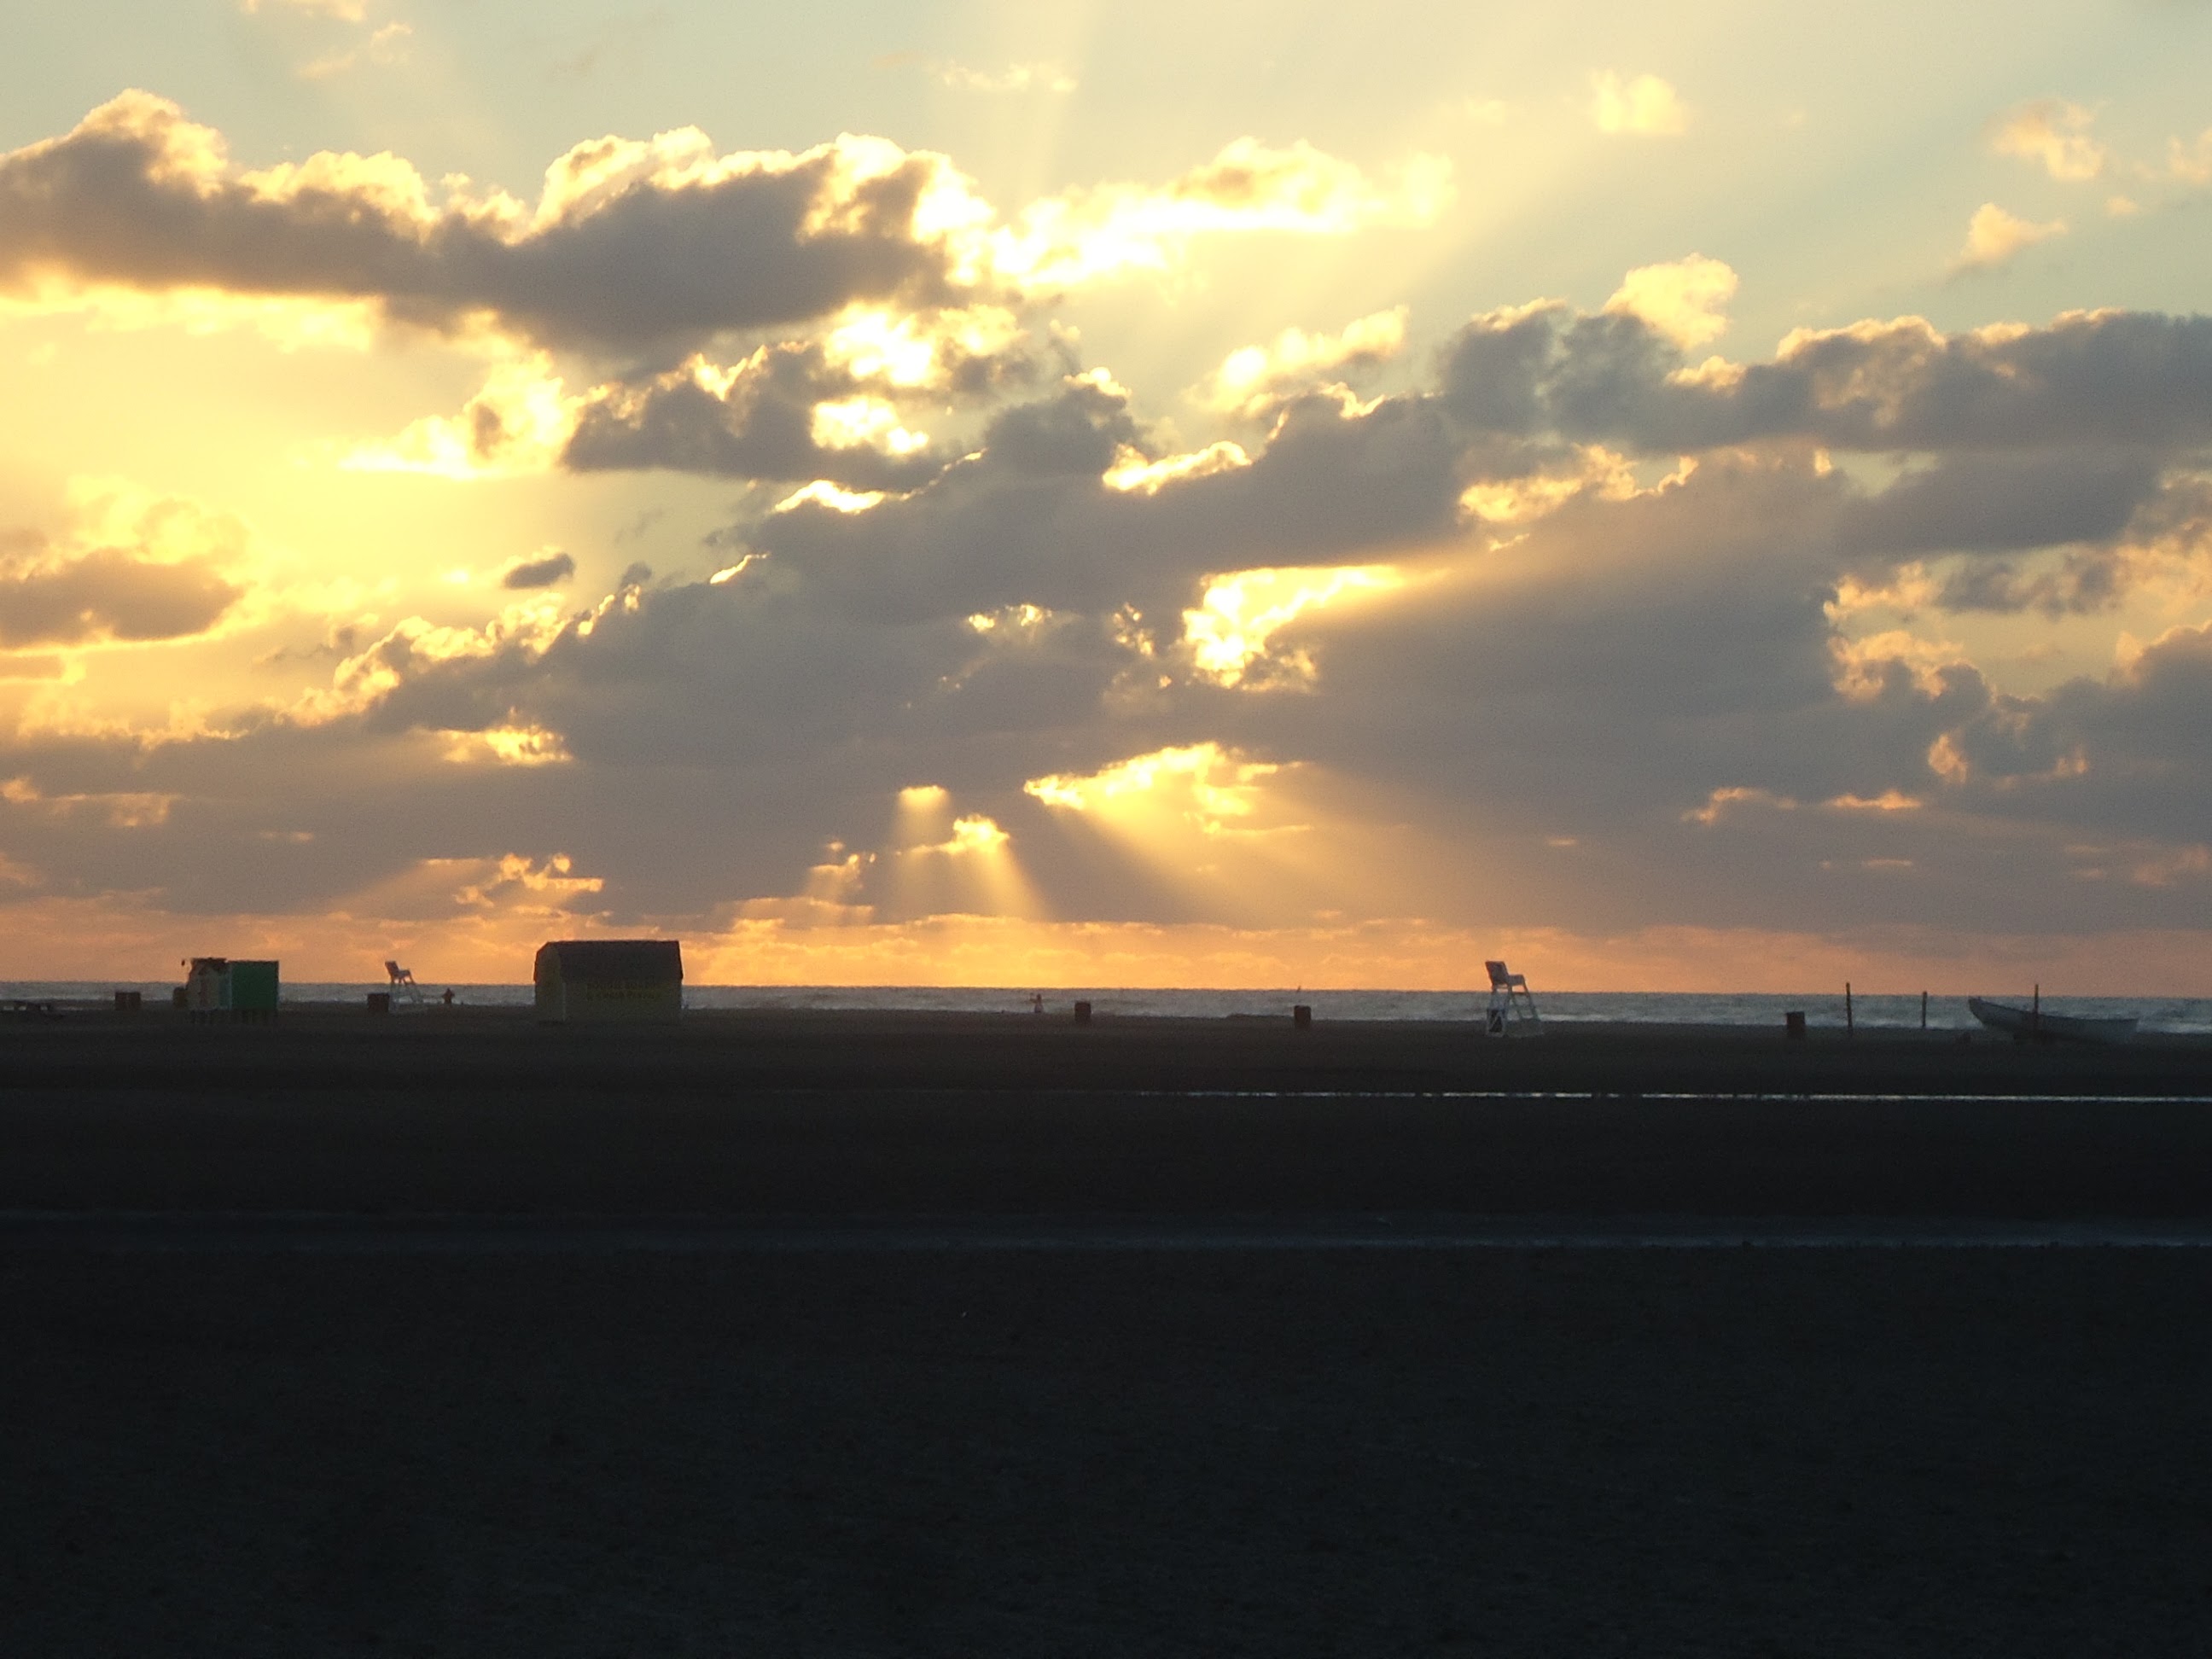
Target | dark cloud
(1635,708)
(2082,581)
(2001,503)
(2108,379)
(549,572)
(110,593)
(762,427)
(1030,520)
(635,246)
(2123,754)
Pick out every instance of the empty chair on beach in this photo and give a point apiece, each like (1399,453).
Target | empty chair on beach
(404,985)
(1512,1011)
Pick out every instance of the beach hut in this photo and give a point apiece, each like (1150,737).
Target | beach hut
(217,988)
(603,979)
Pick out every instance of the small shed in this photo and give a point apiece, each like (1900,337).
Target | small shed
(603,979)
(218,988)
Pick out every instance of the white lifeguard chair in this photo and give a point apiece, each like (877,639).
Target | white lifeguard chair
(1512,1011)
(403,984)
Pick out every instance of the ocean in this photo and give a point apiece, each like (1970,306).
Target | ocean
(2187,1015)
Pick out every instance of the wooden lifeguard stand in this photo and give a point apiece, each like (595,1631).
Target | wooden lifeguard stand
(1512,1011)
(404,985)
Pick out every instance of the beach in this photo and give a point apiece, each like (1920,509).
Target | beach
(862,1334)
(857,1113)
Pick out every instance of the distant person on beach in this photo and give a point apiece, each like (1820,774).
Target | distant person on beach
(448,998)
(1036,1002)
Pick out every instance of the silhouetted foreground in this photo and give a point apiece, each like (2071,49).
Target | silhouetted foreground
(882,1113)
(1877,1453)
(1861,1451)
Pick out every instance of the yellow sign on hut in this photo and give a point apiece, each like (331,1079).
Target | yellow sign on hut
(604,980)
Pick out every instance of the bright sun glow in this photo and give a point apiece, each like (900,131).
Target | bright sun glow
(1229,631)
(864,423)
(1200,783)
(972,871)
(508,745)
(822,493)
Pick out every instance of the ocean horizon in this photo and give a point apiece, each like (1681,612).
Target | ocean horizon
(1877,1011)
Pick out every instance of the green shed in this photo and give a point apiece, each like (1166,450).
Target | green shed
(218,988)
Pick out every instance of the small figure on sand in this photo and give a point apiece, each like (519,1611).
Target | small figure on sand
(448,998)
(1036,1002)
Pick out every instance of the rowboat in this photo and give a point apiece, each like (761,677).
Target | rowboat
(2034,1025)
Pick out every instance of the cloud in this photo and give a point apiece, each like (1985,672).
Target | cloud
(2054,133)
(2095,378)
(1631,662)
(783,414)
(633,245)
(1070,505)
(1646,106)
(1994,237)
(1997,503)
(1228,633)
(1253,380)
(387,47)
(2191,163)
(829,408)
(1015,77)
(1295,190)
(132,568)
(1569,594)
(1682,301)
(519,423)
(630,242)
(349,11)
(2109,757)
(549,570)
(109,593)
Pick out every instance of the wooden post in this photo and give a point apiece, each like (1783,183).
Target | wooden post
(2035,1011)
(1924,1011)
(1850,1026)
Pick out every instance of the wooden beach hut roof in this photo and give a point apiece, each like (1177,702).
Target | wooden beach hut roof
(617,961)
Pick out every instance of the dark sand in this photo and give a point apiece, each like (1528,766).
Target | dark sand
(1871,1451)
(856,1112)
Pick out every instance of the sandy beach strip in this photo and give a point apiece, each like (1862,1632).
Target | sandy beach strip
(900,1115)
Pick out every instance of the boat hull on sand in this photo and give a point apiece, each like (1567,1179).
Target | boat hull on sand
(2032,1025)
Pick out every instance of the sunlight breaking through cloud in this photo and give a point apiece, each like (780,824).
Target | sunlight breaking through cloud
(1228,633)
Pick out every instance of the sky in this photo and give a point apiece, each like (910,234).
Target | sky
(1684,496)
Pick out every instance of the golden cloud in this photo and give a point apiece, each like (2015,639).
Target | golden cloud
(519,423)
(2054,134)
(1682,300)
(346,11)
(1015,77)
(1645,106)
(1299,189)
(1253,379)
(1227,635)
(1995,237)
